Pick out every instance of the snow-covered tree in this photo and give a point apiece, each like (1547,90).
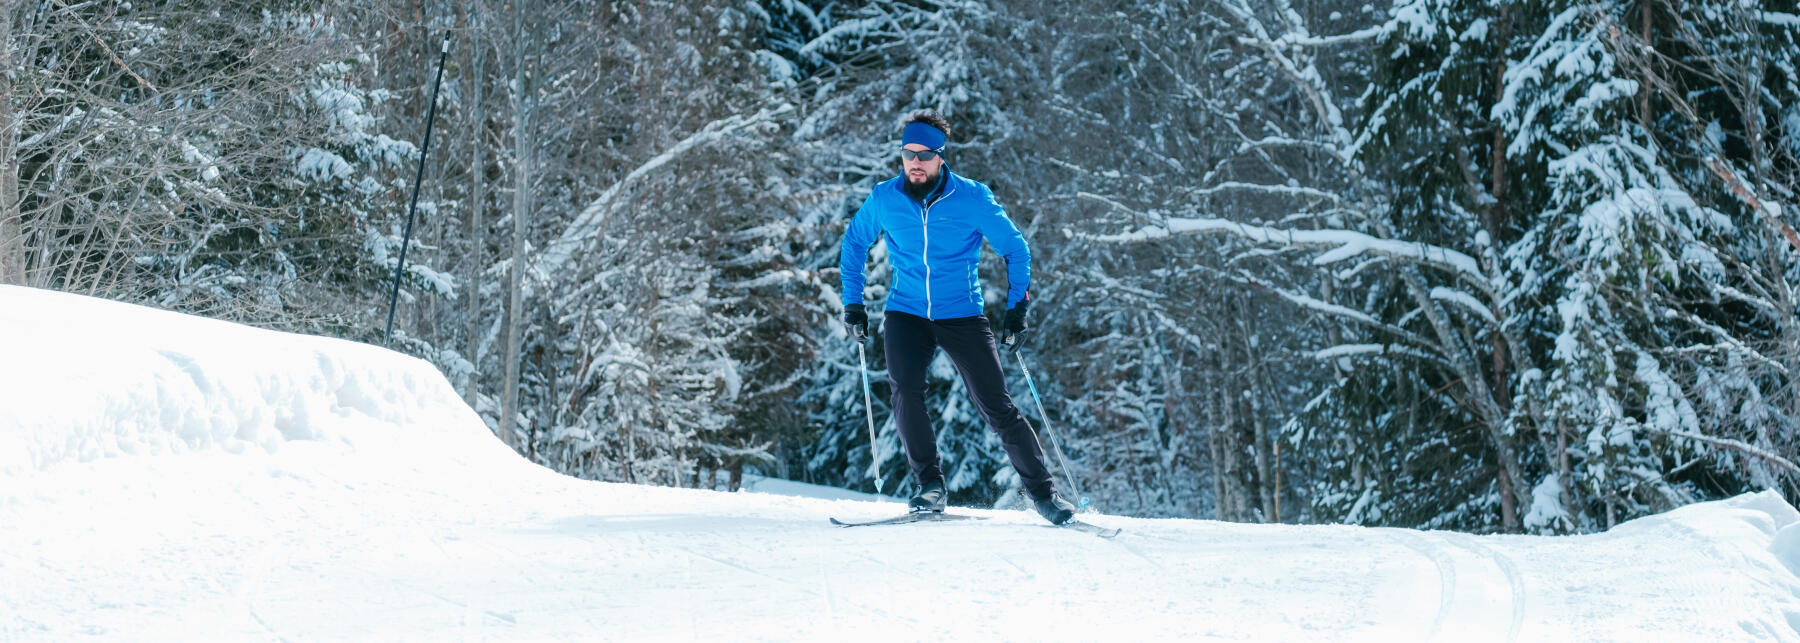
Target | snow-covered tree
(1674,322)
(224,161)
(1538,263)
(1492,266)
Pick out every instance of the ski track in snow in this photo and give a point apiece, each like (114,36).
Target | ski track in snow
(191,479)
(1515,584)
(1446,573)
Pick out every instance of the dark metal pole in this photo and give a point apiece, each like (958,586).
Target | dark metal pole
(406,239)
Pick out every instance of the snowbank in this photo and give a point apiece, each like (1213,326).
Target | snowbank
(1750,519)
(87,379)
(169,477)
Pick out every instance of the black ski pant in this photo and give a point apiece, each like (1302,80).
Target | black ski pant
(912,342)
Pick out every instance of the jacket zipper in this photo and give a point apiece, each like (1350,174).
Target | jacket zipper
(925,254)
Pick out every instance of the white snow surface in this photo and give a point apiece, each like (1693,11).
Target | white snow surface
(174,478)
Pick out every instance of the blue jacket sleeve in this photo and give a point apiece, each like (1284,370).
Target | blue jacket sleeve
(864,230)
(1010,244)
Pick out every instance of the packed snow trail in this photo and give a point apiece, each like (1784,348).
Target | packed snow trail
(163,476)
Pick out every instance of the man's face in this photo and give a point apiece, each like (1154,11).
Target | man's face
(920,172)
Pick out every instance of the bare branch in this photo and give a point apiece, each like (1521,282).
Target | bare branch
(108,50)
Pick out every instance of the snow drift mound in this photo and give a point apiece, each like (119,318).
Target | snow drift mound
(86,379)
(1744,521)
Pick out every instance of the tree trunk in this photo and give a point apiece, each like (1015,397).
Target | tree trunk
(1268,453)
(1496,212)
(1182,422)
(509,405)
(1564,471)
(1496,224)
(1215,425)
(1644,88)
(547,403)
(1264,488)
(1234,501)
(477,200)
(1509,507)
(12,228)
(1277,443)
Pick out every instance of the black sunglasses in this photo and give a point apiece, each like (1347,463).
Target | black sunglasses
(921,155)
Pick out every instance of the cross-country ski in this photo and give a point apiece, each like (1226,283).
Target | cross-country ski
(916,516)
(1103,532)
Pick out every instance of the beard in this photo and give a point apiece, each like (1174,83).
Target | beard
(918,191)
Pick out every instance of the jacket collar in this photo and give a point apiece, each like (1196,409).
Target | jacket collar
(943,186)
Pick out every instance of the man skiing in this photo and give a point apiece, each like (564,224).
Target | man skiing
(935,222)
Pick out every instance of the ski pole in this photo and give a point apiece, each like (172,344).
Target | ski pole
(1045,419)
(387,336)
(869,412)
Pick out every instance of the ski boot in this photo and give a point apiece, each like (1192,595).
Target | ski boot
(931,497)
(1053,508)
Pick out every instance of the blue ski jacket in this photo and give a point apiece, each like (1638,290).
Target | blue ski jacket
(934,247)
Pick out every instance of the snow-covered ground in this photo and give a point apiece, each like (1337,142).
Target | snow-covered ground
(170,477)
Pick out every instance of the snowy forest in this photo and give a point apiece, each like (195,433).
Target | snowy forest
(1489,266)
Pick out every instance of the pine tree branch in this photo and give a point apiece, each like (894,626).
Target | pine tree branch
(1349,244)
(1740,447)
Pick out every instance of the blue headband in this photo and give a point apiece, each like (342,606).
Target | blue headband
(923,134)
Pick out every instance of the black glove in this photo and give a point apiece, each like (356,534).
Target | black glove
(1015,325)
(857,321)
